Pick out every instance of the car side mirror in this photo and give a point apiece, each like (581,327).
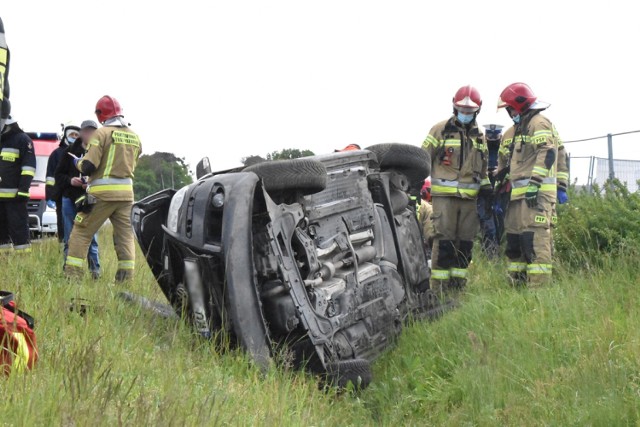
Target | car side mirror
(203,168)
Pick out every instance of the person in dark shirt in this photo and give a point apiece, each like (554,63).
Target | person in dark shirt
(72,187)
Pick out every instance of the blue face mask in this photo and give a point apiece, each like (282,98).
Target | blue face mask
(516,119)
(465,119)
(71,140)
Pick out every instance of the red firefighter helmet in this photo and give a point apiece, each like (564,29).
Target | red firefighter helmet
(425,192)
(107,107)
(518,96)
(467,100)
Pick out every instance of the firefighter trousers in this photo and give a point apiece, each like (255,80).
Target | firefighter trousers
(87,224)
(456,224)
(529,241)
(14,225)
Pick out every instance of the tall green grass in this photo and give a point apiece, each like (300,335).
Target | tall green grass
(566,354)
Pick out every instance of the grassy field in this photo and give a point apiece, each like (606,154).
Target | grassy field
(564,355)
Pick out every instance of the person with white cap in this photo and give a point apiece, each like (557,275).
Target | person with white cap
(529,154)
(17,169)
(70,132)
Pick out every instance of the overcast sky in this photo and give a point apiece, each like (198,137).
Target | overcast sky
(235,78)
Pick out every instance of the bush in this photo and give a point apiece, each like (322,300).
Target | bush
(594,228)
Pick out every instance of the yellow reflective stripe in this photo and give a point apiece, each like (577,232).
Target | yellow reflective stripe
(452,143)
(480,146)
(20,193)
(126,265)
(459,272)
(545,188)
(485,181)
(440,274)
(468,191)
(543,132)
(9,157)
(27,172)
(112,152)
(539,268)
(517,267)
(540,171)
(3,58)
(437,189)
(75,262)
(8,195)
(21,356)
(94,142)
(563,175)
(429,140)
(102,188)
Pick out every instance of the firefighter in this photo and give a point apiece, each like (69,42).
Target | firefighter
(17,169)
(458,174)
(53,192)
(109,163)
(424,216)
(490,219)
(529,154)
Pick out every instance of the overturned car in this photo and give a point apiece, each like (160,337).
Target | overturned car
(321,256)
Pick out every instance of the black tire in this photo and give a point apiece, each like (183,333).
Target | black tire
(306,176)
(354,371)
(410,160)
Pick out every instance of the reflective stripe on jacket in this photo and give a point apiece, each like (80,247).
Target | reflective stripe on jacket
(458,159)
(114,151)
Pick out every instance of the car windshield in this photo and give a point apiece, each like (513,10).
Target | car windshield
(41,168)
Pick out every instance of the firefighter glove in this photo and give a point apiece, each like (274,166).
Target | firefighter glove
(531,196)
(562,196)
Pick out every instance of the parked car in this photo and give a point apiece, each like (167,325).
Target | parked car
(321,256)
(42,219)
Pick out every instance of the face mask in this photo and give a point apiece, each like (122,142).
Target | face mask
(465,119)
(71,140)
(516,119)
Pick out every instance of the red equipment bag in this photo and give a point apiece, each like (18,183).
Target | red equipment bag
(18,349)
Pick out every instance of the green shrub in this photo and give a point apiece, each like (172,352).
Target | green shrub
(595,228)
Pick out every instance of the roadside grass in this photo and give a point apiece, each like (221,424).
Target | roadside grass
(566,354)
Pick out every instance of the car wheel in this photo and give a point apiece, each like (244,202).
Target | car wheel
(354,371)
(306,176)
(412,161)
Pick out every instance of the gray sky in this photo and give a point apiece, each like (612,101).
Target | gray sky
(235,78)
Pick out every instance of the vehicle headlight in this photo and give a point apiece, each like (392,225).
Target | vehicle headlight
(174,209)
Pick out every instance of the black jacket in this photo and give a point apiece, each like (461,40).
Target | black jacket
(67,170)
(53,192)
(17,163)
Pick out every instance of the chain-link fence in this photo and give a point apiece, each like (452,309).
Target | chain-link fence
(597,170)
(587,171)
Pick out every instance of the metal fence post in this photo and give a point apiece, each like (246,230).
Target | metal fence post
(610,146)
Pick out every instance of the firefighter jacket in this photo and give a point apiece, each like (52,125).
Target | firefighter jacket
(17,163)
(530,150)
(52,192)
(110,161)
(458,159)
